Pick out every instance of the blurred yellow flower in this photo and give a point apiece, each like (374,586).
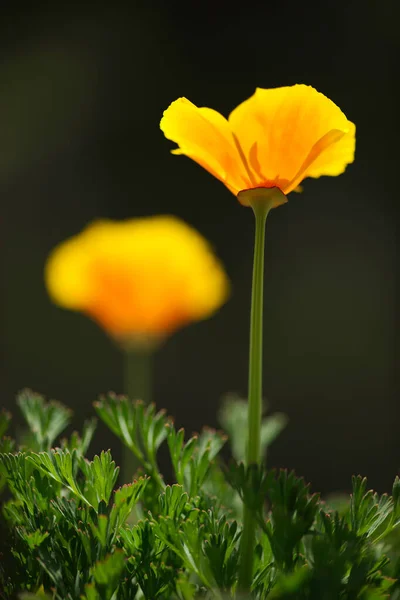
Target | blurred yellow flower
(276,138)
(140,279)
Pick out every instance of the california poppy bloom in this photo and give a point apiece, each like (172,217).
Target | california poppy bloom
(276,138)
(262,152)
(140,279)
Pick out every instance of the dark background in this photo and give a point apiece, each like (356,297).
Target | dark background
(81,96)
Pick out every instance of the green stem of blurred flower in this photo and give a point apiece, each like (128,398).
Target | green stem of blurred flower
(137,386)
(261,206)
(137,375)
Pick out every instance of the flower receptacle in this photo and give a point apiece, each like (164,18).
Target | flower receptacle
(268,197)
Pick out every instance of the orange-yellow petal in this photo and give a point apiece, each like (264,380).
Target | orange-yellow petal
(333,160)
(204,135)
(66,274)
(291,130)
(138,278)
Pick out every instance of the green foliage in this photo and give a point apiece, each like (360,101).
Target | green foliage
(67,532)
(192,460)
(6,444)
(140,428)
(78,442)
(106,575)
(5,419)
(46,420)
(233,418)
(371,515)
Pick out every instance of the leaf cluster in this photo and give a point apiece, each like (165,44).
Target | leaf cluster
(70,532)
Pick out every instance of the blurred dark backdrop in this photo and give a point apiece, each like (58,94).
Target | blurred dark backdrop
(82,93)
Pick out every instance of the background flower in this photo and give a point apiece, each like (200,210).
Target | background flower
(140,279)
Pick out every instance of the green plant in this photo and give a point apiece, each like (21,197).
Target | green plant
(69,532)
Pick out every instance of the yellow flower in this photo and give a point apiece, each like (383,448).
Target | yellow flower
(276,138)
(140,279)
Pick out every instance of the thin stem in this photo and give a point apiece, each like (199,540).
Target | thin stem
(137,375)
(137,386)
(247,550)
(261,206)
(256,338)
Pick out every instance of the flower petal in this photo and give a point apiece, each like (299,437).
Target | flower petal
(204,136)
(334,159)
(66,275)
(287,123)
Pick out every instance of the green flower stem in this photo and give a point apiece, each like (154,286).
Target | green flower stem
(256,338)
(137,386)
(261,200)
(137,374)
